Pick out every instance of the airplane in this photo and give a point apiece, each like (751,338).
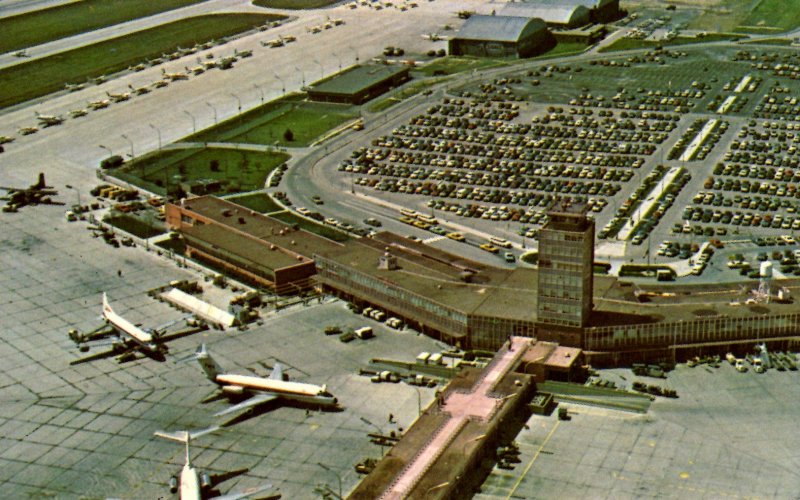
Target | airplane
(4,139)
(289,38)
(160,83)
(197,70)
(226,62)
(195,485)
(101,79)
(35,194)
(74,87)
(118,97)
(155,62)
(138,90)
(259,389)
(77,113)
(174,76)
(207,64)
(129,339)
(28,130)
(434,37)
(49,120)
(243,54)
(99,104)
(21,53)
(278,42)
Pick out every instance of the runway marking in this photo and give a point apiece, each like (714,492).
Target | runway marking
(535,456)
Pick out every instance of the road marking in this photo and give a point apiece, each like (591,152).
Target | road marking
(431,240)
(535,456)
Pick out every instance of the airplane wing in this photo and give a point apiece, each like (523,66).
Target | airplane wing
(180,334)
(244,494)
(94,357)
(249,403)
(277,372)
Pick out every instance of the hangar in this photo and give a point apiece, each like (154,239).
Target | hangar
(501,36)
(358,84)
(555,15)
(566,13)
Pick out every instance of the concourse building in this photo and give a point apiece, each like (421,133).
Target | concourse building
(501,36)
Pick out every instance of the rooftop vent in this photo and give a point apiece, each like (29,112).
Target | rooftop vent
(387,261)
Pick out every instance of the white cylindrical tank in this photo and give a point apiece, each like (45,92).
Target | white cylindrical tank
(766,270)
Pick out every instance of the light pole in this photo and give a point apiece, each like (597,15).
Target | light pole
(158,131)
(77,192)
(260,91)
(215,111)
(194,122)
(283,84)
(130,142)
(302,75)
(419,400)
(238,101)
(338,59)
(380,432)
(338,477)
(355,51)
(321,70)
(110,153)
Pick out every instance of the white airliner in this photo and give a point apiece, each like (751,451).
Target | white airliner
(129,337)
(195,485)
(262,390)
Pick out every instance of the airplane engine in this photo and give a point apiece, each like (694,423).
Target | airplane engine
(233,390)
(205,481)
(173,484)
(75,335)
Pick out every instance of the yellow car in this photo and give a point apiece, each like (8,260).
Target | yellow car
(407,220)
(490,248)
(456,236)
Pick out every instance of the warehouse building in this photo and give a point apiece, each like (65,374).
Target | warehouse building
(358,84)
(501,36)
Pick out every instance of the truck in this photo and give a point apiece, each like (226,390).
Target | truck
(364,333)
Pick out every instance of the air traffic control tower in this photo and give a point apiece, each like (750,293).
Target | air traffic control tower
(564,288)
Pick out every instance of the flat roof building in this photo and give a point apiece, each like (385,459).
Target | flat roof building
(256,248)
(358,84)
(501,36)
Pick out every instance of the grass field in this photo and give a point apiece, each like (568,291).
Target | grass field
(260,202)
(266,124)
(293,4)
(312,227)
(408,91)
(632,43)
(747,16)
(450,65)
(42,26)
(49,74)
(243,170)
(564,49)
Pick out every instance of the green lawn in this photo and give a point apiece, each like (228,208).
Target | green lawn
(450,65)
(778,14)
(313,227)
(406,92)
(748,16)
(260,202)
(563,49)
(631,43)
(41,26)
(266,124)
(293,4)
(243,170)
(47,75)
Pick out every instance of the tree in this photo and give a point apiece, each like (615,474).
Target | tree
(288,135)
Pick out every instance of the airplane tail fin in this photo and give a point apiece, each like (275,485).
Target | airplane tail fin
(106,307)
(185,437)
(41,184)
(208,364)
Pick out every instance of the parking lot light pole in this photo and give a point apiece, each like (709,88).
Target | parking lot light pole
(194,122)
(158,131)
(130,141)
(238,101)
(302,75)
(77,192)
(338,477)
(355,51)
(260,91)
(338,59)
(380,431)
(110,153)
(321,70)
(283,84)
(215,111)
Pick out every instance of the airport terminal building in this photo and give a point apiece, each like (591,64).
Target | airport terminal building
(474,305)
